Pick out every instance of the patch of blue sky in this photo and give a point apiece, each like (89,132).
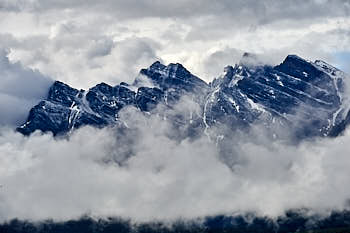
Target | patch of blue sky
(342,60)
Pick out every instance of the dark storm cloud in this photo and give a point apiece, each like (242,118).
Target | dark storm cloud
(260,12)
(20,89)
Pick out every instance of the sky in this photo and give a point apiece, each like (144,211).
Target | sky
(85,42)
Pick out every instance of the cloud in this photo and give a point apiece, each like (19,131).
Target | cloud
(20,89)
(166,178)
(213,63)
(100,48)
(263,11)
(76,54)
(87,42)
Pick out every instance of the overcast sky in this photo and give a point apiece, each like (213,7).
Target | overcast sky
(84,42)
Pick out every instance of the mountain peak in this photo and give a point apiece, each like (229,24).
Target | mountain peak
(177,70)
(298,67)
(63,93)
(58,84)
(157,65)
(294,58)
(174,75)
(228,70)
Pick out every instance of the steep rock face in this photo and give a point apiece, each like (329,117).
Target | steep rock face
(173,76)
(64,109)
(67,108)
(297,93)
(303,96)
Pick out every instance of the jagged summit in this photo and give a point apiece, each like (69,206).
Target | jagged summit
(292,57)
(62,93)
(157,66)
(172,76)
(66,108)
(308,97)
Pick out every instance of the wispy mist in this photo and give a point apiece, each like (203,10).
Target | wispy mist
(148,173)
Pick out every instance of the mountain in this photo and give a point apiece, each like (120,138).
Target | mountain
(307,98)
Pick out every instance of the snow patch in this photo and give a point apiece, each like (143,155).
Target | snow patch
(255,105)
(278,78)
(230,99)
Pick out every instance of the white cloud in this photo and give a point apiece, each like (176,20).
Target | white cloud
(43,177)
(84,42)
